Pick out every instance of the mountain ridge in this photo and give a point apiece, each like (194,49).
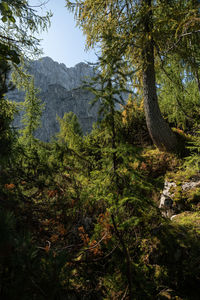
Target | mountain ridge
(61,91)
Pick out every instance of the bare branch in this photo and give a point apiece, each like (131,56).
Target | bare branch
(39,5)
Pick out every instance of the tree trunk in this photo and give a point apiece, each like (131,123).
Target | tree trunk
(159,130)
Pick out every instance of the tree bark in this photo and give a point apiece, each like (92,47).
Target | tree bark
(159,130)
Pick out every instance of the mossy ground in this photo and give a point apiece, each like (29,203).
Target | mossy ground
(189,220)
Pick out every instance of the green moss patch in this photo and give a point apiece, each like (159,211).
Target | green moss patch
(188,219)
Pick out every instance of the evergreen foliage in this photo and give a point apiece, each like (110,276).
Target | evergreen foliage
(79,216)
(182,106)
(32,108)
(20,23)
(145,33)
(193,161)
(7,110)
(70,130)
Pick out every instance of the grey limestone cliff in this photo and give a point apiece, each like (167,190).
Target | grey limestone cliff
(61,91)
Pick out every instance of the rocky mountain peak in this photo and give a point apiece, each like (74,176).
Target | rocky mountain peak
(46,71)
(61,91)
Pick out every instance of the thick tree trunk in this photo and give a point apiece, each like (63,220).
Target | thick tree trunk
(159,130)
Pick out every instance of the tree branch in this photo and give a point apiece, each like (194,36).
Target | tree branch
(126,253)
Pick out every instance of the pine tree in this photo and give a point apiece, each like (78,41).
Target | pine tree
(144,31)
(70,130)
(7,110)
(20,23)
(32,112)
(182,107)
(110,89)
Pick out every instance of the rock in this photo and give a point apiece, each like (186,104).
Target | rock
(190,185)
(172,217)
(60,101)
(168,206)
(48,72)
(166,202)
(166,190)
(61,91)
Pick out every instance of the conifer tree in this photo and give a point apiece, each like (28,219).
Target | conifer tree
(20,23)
(32,112)
(70,130)
(7,110)
(144,31)
(109,88)
(182,107)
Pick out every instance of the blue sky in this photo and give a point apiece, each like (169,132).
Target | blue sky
(64,42)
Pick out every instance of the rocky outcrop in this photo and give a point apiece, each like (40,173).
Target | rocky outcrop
(60,101)
(61,91)
(166,199)
(48,72)
(179,197)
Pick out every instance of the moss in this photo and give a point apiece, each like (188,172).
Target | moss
(188,199)
(194,195)
(176,258)
(183,139)
(156,163)
(181,174)
(190,220)
(179,195)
